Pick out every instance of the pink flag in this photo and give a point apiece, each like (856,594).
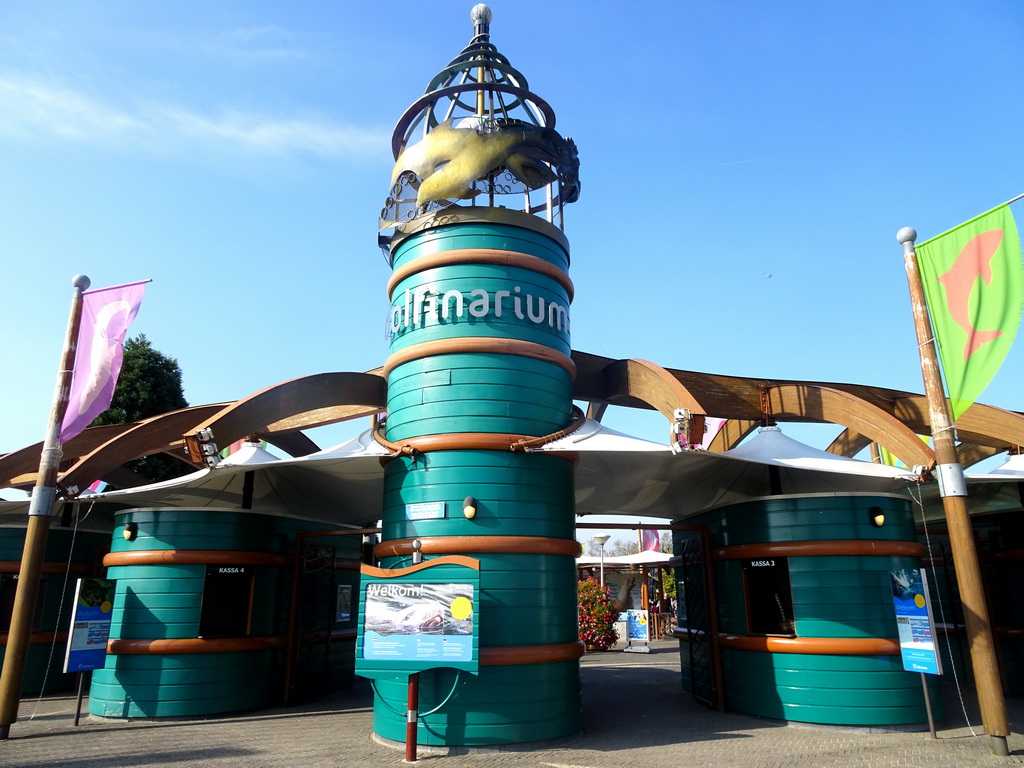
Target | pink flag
(106,315)
(649,541)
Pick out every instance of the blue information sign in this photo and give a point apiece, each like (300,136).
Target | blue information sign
(914,621)
(90,625)
(426,510)
(417,618)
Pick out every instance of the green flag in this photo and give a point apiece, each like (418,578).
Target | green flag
(974,285)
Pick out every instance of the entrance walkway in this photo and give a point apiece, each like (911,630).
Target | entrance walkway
(636,714)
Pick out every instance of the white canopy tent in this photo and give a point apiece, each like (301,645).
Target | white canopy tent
(615,474)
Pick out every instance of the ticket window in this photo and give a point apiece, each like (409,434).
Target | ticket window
(227,601)
(769,597)
(8,588)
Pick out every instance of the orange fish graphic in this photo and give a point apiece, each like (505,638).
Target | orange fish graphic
(973,262)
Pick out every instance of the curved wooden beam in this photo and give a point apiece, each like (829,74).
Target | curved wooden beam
(160,434)
(293,443)
(989,425)
(327,397)
(971,453)
(17,466)
(832,405)
(982,424)
(651,384)
(731,434)
(849,443)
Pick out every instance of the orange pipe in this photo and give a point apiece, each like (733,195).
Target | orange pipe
(195,645)
(482,256)
(531,654)
(820,549)
(484,345)
(387,573)
(1007,554)
(456,545)
(827,646)
(194,557)
(14,566)
(40,638)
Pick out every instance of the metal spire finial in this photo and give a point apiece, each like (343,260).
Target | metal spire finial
(481,17)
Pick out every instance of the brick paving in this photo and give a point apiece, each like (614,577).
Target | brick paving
(636,714)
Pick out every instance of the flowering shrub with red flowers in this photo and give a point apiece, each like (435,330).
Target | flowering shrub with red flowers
(597,615)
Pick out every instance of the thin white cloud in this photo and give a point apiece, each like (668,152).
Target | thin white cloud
(266,42)
(35,110)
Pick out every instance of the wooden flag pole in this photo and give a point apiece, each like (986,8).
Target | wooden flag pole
(40,509)
(953,489)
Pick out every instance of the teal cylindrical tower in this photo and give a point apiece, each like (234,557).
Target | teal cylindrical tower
(202,608)
(806,626)
(69,556)
(480,372)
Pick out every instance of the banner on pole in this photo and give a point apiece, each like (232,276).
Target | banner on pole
(106,315)
(973,280)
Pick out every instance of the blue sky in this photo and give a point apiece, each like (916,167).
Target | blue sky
(237,153)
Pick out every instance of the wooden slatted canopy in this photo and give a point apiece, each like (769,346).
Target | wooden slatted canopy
(280,413)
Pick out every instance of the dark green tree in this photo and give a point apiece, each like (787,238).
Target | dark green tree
(149,384)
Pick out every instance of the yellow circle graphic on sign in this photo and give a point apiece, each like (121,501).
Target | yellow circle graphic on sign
(461,608)
(105,606)
(919,601)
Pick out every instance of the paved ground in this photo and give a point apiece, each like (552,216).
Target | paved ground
(635,711)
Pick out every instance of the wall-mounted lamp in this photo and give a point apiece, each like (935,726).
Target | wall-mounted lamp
(877,516)
(131,531)
(469,507)
(417,554)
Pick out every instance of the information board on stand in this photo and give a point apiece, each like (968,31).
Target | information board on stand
(90,625)
(418,618)
(638,632)
(918,645)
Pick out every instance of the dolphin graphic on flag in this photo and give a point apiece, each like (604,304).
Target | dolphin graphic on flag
(106,315)
(974,285)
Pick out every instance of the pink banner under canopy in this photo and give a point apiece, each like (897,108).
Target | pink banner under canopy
(106,315)
(649,540)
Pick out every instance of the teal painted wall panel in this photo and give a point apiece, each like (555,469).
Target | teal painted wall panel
(473,300)
(537,702)
(481,407)
(517,494)
(833,597)
(839,690)
(156,601)
(44,663)
(481,235)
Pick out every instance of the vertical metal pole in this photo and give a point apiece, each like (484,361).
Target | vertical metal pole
(953,489)
(928,705)
(78,698)
(40,509)
(412,717)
